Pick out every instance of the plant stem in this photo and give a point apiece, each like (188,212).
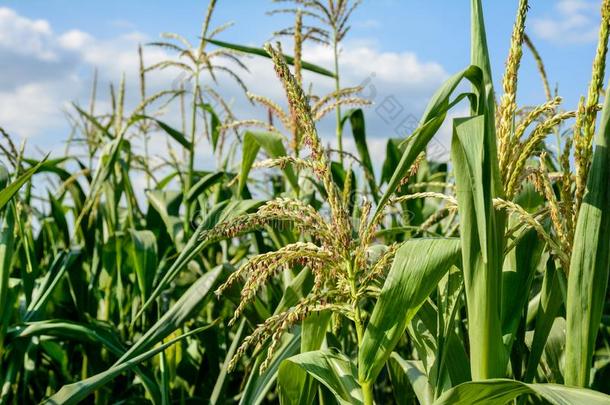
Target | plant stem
(367,386)
(189,175)
(338,109)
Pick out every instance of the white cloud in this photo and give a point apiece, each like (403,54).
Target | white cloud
(398,83)
(42,71)
(25,36)
(574,21)
(45,70)
(31,109)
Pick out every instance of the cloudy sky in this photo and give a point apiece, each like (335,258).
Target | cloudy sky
(402,50)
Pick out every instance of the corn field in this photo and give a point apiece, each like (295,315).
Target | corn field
(291,272)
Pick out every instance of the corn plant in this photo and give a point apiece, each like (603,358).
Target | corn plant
(296,273)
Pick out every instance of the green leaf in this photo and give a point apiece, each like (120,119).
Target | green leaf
(393,155)
(204,184)
(356,120)
(59,216)
(590,261)
(179,313)
(482,253)
(407,377)
(63,261)
(219,386)
(143,250)
(93,120)
(500,391)
(7,240)
(219,213)
(215,123)
(97,334)
(548,309)
(261,52)
(417,268)
(313,332)
(10,190)
(166,204)
(172,132)
(517,281)
(258,385)
(432,119)
(76,392)
(329,367)
(273,144)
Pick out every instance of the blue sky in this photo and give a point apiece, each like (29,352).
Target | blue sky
(49,48)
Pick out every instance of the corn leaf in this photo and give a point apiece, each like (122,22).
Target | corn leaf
(179,313)
(219,213)
(273,145)
(481,258)
(356,120)
(329,367)
(261,52)
(7,240)
(590,262)
(92,333)
(417,268)
(63,261)
(407,377)
(548,309)
(432,119)
(168,129)
(500,391)
(143,250)
(11,189)
(258,385)
(76,392)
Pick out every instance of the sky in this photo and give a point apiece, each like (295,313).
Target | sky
(401,51)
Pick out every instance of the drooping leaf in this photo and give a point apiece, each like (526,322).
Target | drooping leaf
(431,121)
(500,391)
(329,367)
(92,333)
(261,52)
(548,309)
(58,268)
(179,313)
(219,213)
(204,184)
(408,378)
(215,123)
(78,391)
(171,131)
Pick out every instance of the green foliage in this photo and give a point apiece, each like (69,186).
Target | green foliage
(338,278)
